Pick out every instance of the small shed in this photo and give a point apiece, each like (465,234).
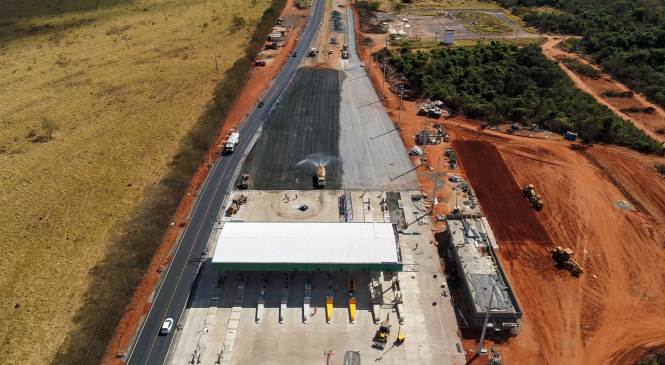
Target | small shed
(449,36)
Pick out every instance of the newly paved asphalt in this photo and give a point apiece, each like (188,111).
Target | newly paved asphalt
(150,347)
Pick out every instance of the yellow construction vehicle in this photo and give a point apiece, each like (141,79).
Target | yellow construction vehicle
(321,176)
(233,209)
(246,181)
(352,299)
(536,201)
(382,334)
(565,257)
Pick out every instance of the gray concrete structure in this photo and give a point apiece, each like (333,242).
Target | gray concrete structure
(471,252)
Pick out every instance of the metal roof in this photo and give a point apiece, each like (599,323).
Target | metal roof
(307,246)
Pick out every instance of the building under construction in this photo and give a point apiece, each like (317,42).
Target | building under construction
(471,249)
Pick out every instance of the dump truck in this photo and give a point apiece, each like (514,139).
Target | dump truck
(321,176)
(232,142)
(259,63)
(345,55)
(246,181)
(381,337)
(565,257)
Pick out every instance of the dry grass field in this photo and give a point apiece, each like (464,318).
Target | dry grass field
(124,81)
(389,5)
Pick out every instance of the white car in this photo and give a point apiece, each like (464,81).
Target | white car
(166,327)
(362,64)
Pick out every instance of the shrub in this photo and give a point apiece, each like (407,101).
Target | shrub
(374,5)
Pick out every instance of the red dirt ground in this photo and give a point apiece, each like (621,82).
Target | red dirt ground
(611,314)
(257,85)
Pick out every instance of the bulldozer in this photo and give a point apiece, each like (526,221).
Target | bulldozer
(381,337)
(565,257)
(321,176)
(246,181)
(236,202)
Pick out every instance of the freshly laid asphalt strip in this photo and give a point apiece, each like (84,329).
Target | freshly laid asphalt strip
(301,134)
(150,347)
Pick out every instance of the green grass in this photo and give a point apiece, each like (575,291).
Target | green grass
(519,22)
(484,23)
(430,44)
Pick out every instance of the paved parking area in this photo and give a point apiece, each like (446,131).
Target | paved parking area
(226,330)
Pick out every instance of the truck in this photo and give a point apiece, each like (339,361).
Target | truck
(232,143)
(570,136)
(259,63)
(345,55)
(312,52)
(321,176)
(345,47)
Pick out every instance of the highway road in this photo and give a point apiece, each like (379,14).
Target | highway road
(150,347)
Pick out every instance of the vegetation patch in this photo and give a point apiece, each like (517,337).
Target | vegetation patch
(497,82)
(484,23)
(626,39)
(581,68)
(519,22)
(302,4)
(618,94)
(657,356)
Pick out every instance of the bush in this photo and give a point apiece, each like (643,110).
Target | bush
(374,5)
(497,82)
(238,21)
(660,169)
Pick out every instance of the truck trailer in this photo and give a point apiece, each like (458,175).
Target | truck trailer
(232,143)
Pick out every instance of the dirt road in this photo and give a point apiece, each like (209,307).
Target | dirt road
(650,123)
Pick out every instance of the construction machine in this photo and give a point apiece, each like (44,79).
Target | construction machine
(233,209)
(321,176)
(382,334)
(565,257)
(246,181)
(536,201)
(259,63)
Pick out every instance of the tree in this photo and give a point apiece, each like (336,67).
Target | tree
(50,126)
(374,5)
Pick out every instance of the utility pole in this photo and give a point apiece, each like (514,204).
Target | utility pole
(370,58)
(383,89)
(399,118)
(216,68)
(436,181)
(436,38)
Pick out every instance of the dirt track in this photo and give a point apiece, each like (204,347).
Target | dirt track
(650,123)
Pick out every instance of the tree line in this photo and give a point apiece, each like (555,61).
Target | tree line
(627,39)
(497,82)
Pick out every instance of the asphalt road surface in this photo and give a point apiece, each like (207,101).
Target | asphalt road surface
(150,347)
(302,134)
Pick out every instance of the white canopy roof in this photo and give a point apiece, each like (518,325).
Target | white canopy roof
(306,242)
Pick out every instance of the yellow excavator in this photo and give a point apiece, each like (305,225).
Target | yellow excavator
(565,257)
